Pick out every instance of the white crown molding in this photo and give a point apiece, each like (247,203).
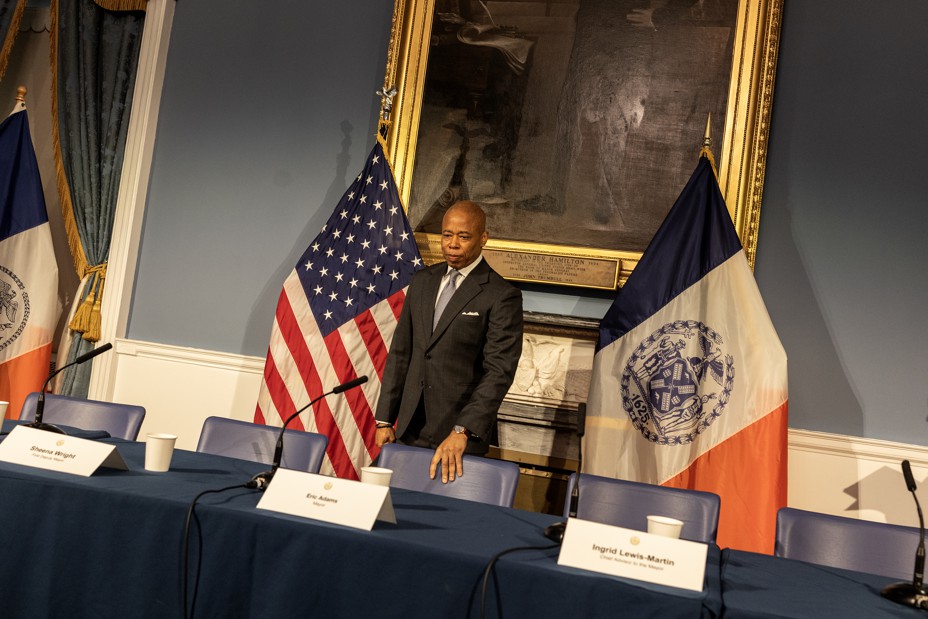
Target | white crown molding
(859,448)
(190,356)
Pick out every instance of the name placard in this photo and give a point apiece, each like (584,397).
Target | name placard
(633,554)
(58,452)
(329,499)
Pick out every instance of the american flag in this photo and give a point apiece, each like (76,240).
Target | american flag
(336,316)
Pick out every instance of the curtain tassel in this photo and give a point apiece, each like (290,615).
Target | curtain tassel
(93,328)
(81,320)
(87,319)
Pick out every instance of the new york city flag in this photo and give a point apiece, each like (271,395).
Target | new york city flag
(28,271)
(689,384)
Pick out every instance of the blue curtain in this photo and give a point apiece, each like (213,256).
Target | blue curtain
(95,54)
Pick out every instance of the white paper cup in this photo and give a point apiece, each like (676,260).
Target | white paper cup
(3,407)
(662,525)
(376,475)
(158,451)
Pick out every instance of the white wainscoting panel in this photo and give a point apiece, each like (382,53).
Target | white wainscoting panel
(180,387)
(842,475)
(855,477)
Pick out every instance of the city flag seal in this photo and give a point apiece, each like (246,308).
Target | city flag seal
(677,382)
(14,307)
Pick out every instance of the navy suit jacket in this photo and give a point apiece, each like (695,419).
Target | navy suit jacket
(463,369)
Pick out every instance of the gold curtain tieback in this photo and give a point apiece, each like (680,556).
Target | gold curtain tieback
(86,319)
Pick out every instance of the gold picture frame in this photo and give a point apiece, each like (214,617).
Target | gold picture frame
(740,153)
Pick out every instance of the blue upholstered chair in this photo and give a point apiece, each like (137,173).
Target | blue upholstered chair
(628,504)
(303,451)
(485,480)
(859,545)
(120,420)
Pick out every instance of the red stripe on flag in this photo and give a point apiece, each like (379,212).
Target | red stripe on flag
(283,403)
(357,402)
(277,389)
(396,302)
(751,496)
(325,422)
(372,338)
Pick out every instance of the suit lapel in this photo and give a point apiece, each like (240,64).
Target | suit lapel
(471,286)
(429,294)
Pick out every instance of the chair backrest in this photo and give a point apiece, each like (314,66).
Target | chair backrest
(303,451)
(120,420)
(859,545)
(628,504)
(485,480)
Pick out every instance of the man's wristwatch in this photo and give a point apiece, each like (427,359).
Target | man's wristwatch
(384,424)
(462,430)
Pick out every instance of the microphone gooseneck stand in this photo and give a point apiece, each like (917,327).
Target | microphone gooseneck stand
(911,593)
(39,424)
(259,482)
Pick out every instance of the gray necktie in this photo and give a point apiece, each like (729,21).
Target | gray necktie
(445,296)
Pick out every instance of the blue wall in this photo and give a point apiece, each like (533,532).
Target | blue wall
(842,255)
(268,110)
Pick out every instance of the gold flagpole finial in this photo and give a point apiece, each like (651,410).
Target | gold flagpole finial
(20,103)
(706,151)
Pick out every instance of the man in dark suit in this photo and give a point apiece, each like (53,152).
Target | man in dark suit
(454,352)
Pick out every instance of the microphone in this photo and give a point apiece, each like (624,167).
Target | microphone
(351,384)
(555,532)
(911,593)
(261,480)
(40,405)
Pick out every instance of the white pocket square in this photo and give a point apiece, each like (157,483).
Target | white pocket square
(470,313)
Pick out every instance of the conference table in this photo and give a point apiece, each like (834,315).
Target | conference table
(111,545)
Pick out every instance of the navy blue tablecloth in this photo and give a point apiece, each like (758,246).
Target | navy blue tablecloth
(110,546)
(762,586)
